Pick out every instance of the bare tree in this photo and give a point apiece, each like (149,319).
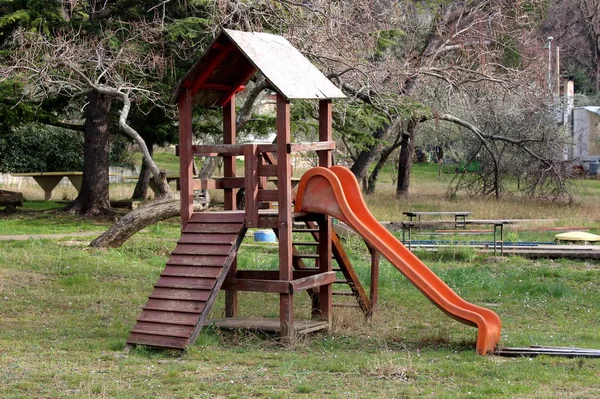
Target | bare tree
(575,26)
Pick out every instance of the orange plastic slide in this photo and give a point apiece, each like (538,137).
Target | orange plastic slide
(334,191)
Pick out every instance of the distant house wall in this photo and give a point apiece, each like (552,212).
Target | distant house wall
(586,132)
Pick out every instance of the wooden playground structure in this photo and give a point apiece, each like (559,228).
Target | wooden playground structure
(204,260)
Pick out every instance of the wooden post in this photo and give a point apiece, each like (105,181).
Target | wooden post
(186,171)
(229,170)
(229,137)
(284,178)
(251,184)
(325,291)
(374,288)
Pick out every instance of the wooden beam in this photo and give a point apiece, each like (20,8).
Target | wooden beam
(267,195)
(273,274)
(245,75)
(216,150)
(218,184)
(316,146)
(251,185)
(318,280)
(185,157)
(284,175)
(229,137)
(274,286)
(201,79)
(267,170)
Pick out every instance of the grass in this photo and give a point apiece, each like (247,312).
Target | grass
(66,311)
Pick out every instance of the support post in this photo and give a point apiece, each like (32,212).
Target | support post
(284,178)
(325,227)
(229,170)
(186,170)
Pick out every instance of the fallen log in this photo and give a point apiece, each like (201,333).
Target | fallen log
(11,198)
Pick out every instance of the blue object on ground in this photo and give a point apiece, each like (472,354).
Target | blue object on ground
(264,236)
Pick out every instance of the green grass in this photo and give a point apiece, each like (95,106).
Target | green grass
(66,311)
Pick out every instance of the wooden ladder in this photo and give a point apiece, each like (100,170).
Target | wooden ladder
(344,266)
(186,290)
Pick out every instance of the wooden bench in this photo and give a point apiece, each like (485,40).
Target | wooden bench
(497,224)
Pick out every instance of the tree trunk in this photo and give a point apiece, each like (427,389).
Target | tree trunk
(93,198)
(407,150)
(366,157)
(141,188)
(385,154)
(152,212)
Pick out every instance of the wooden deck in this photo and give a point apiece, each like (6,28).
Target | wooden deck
(267,325)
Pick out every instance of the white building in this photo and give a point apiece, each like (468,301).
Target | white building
(586,133)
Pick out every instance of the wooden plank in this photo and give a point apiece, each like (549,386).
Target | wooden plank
(185,282)
(153,340)
(273,274)
(268,195)
(317,280)
(251,185)
(274,286)
(350,274)
(459,213)
(218,184)
(173,305)
(284,175)
(204,238)
(227,265)
(218,150)
(171,330)
(268,325)
(202,249)
(191,271)
(196,260)
(219,217)
(229,137)
(212,227)
(266,148)
(185,157)
(267,170)
(213,63)
(270,222)
(175,293)
(314,146)
(154,316)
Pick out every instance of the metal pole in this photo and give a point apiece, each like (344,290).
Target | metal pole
(550,38)
(558,71)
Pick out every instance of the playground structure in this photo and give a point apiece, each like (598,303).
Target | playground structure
(204,260)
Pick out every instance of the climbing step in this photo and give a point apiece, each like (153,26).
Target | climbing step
(182,297)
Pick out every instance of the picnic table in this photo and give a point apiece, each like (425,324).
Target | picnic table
(459,217)
(49,180)
(498,224)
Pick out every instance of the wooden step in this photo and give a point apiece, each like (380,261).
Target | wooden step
(180,294)
(343,293)
(186,289)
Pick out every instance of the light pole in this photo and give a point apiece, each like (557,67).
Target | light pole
(550,38)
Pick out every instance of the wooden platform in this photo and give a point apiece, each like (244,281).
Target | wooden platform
(267,325)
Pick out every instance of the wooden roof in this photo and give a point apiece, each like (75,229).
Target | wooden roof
(235,56)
